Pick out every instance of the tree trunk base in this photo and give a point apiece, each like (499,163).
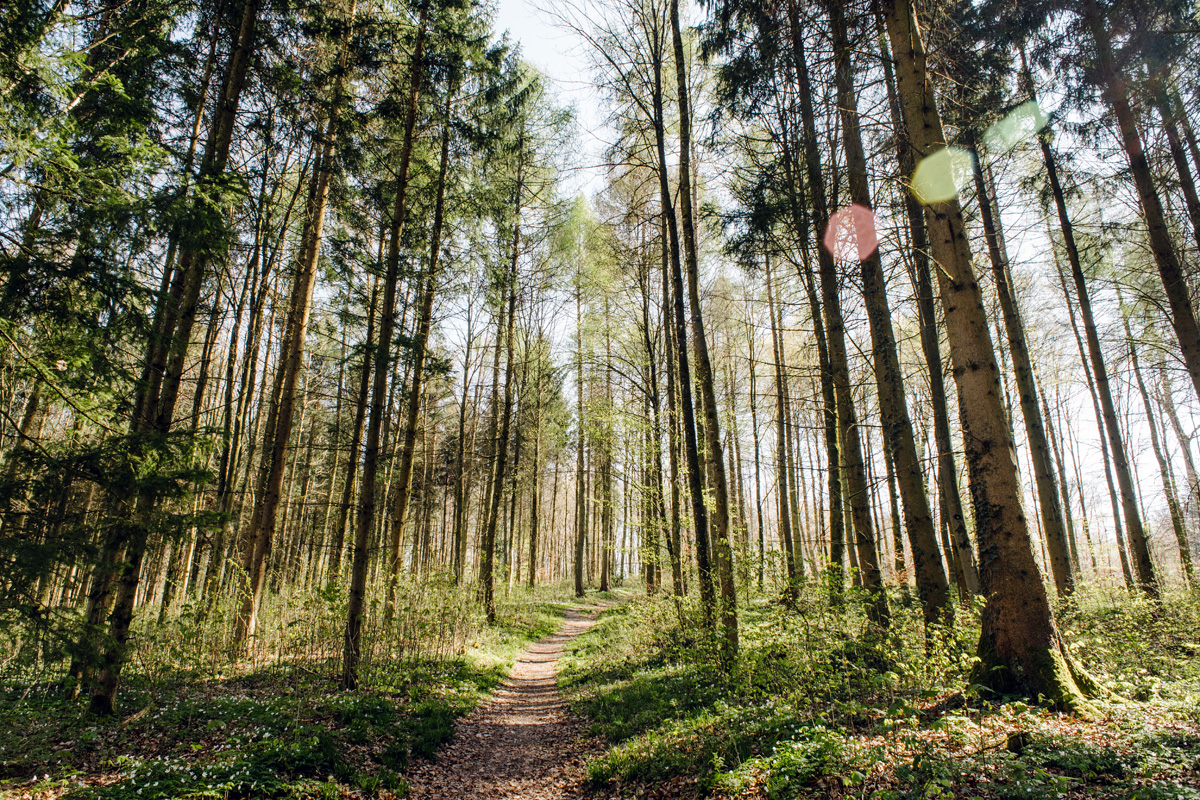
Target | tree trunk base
(1048,676)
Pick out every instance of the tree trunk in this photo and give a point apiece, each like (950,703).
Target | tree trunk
(751,339)
(1170,270)
(1053,527)
(722,547)
(290,364)
(1175,144)
(1164,469)
(899,565)
(536,469)
(365,522)
(460,460)
(1099,417)
(858,491)
(488,554)
(154,405)
(681,361)
(581,515)
(781,462)
(961,555)
(606,448)
(932,586)
(674,537)
(356,434)
(420,345)
(1073,442)
(1167,400)
(1139,554)
(1020,648)
(798,201)
(1064,491)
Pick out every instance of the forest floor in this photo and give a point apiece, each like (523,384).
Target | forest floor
(821,706)
(284,729)
(623,696)
(522,743)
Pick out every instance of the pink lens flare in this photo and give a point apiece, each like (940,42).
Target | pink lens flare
(851,235)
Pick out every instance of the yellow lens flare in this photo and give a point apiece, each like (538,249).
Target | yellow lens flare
(940,175)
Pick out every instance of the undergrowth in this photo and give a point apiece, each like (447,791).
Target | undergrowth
(821,706)
(272,722)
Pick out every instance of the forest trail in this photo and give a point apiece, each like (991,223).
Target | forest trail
(521,743)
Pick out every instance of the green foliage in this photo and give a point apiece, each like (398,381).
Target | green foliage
(1076,757)
(200,727)
(655,692)
(818,707)
(706,743)
(795,763)
(1134,646)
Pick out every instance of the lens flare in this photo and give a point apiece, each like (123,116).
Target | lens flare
(851,235)
(1022,123)
(940,175)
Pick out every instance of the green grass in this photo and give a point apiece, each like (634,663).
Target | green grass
(284,731)
(819,707)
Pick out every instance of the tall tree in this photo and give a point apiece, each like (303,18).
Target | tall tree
(1166,256)
(1053,525)
(897,427)
(365,521)
(429,288)
(1143,569)
(162,375)
(1020,648)
(291,356)
(852,464)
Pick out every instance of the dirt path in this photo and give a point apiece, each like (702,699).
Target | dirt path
(522,743)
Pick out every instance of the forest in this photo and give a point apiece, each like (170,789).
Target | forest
(811,414)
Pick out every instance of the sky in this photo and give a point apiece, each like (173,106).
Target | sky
(555,52)
(562,57)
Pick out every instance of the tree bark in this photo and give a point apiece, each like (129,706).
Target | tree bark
(1170,270)
(1020,648)
(154,405)
(290,364)
(674,537)
(1167,399)
(681,361)
(932,586)
(365,521)
(1139,554)
(961,554)
(1164,469)
(758,504)
(420,346)
(858,491)
(781,461)
(1053,527)
(1187,183)
(722,547)
(798,201)
(581,515)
